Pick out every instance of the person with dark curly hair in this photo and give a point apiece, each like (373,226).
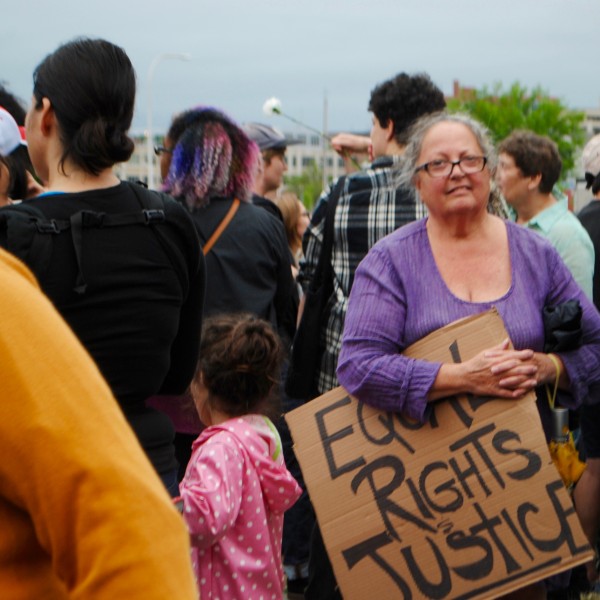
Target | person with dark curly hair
(237,487)
(121,264)
(370,205)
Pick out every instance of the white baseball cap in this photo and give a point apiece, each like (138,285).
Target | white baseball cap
(11,135)
(591,156)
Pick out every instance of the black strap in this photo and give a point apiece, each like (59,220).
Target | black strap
(152,213)
(324,269)
(154,205)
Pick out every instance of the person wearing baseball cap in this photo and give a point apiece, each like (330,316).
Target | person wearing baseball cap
(586,494)
(11,135)
(590,214)
(24,182)
(272,144)
(12,177)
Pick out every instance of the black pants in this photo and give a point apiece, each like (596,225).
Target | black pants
(299,520)
(322,584)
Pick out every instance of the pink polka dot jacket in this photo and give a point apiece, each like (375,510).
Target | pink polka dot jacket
(235,491)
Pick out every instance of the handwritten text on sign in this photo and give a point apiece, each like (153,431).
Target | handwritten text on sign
(468,504)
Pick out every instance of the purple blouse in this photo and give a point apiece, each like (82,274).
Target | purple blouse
(399,296)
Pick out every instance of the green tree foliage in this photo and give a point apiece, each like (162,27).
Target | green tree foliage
(307,186)
(502,111)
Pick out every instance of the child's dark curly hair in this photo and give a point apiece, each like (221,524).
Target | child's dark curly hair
(240,362)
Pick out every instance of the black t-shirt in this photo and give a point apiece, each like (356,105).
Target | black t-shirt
(267,205)
(141,313)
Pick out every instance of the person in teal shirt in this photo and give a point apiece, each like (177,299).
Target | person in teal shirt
(528,168)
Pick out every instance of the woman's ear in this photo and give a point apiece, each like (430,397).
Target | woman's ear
(47,117)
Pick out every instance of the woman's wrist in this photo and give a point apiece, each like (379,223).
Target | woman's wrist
(550,367)
(451,379)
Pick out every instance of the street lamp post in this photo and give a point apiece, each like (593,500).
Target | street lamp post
(149,136)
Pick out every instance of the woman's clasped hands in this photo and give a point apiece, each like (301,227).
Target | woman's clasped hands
(502,372)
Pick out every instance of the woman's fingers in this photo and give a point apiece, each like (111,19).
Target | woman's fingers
(502,372)
(518,381)
(521,354)
(514,364)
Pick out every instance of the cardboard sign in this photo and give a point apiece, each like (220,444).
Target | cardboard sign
(467,505)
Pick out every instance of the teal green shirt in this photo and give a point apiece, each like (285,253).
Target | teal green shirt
(563,229)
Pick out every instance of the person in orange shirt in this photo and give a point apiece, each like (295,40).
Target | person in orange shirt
(82,512)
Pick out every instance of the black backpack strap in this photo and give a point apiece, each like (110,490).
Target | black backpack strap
(28,232)
(324,269)
(154,209)
(86,219)
(20,228)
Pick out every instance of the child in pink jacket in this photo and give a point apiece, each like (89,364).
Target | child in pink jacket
(237,487)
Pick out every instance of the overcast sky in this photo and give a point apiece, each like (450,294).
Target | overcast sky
(244,51)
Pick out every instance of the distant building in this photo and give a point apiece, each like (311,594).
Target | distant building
(309,151)
(461,93)
(591,124)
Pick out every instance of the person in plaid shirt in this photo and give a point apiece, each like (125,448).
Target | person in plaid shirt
(371,205)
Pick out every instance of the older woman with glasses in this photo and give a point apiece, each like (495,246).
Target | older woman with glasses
(459,261)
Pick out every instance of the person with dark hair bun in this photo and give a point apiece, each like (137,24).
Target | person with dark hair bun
(89,88)
(122,264)
(237,487)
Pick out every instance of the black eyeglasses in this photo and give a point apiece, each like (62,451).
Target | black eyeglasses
(443,168)
(158,150)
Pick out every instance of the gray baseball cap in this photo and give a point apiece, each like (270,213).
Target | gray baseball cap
(266,137)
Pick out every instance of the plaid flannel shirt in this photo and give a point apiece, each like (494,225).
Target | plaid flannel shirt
(370,206)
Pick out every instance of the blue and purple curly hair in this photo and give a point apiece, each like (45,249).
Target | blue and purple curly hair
(212,157)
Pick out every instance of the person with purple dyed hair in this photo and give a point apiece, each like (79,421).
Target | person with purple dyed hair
(211,157)
(208,162)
